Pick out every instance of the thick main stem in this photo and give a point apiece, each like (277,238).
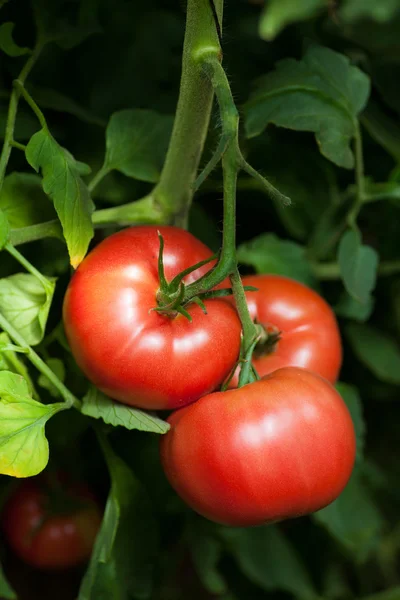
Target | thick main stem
(174,192)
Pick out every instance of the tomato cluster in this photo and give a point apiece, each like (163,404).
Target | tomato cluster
(51,523)
(276,448)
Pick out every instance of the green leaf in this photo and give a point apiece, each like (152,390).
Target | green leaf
(384,129)
(99,406)
(121,566)
(10,360)
(25,304)
(353,519)
(279,13)
(269,560)
(353,309)
(23,200)
(57,366)
(376,350)
(206,552)
(4,229)
(7,43)
(24,450)
(269,254)
(6,592)
(381,11)
(351,396)
(322,93)
(62,182)
(358,266)
(136,142)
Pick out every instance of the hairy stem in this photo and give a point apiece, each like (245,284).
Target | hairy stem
(174,191)
(69,398)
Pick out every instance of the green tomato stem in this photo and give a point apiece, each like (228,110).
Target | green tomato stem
(97,178)
(69,399)
(331,271)
(27,265)
(360,183)
(144,210)
(32,233)
(174,191)
(12,113)
(18,84)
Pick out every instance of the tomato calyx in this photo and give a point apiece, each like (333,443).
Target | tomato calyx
(270,335)
(170,295)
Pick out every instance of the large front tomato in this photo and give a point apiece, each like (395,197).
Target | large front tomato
(128,350)
(281,447)
(48,531)
(309,335)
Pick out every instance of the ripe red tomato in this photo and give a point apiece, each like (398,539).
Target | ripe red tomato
(278,448)
(51,530)
(309,334)
(132,353)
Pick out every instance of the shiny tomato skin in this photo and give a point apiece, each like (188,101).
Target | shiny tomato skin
(132,353)
(310,336)
(274,449)
(45,539)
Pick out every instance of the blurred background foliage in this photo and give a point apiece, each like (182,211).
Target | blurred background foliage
(106,56)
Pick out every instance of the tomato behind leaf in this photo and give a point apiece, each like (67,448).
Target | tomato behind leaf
(49,533)
(278,448)
(309,336)
(128,350)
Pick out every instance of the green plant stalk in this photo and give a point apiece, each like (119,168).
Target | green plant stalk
(331,271)
(69,398)
(19,85)
(144,210)
(360,184)
(12,113)
(32,233)
(27,265)
(174,191)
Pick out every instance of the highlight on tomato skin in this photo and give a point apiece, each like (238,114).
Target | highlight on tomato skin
(51,528)
(131,352)
(274,449)
(309,335)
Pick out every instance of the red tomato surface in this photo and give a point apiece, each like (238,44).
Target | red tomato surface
(310,336)
(132,353)
(45,536)
(278,448)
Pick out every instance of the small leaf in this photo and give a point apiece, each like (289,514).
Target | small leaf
(269,254)
(7,43)
(353,519)
(23,200)
(136,142)
(4,229)
(122,562)
(376,350)
(99,406)
(26,304)
(280,13)
(351,308)
(10,360)
(269,560)
(57,366)
(358,266)
(353,402)
(206,551)
(322,93)
(62,182)
(6,592)
(24,450)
